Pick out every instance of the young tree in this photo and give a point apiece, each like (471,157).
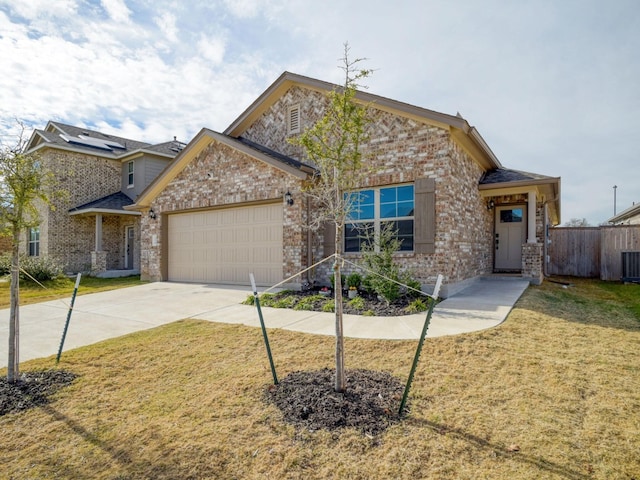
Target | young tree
(23,182)
(334,145)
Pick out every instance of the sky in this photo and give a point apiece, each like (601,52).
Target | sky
(552,86)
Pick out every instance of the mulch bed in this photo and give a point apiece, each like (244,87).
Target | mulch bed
(31,389)
(372,304)
(308,399)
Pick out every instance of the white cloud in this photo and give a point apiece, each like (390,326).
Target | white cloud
(551,86)
(117,10)
(166,21)
(212,48)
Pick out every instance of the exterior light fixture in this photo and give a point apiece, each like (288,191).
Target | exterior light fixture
(152,214)
(491,204)
(288,198)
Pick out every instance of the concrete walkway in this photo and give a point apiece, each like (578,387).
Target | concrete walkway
(100,316)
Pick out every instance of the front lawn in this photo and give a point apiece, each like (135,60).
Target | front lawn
(553,393)
(31,292)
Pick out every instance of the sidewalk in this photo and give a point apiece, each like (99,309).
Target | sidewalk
(104,315)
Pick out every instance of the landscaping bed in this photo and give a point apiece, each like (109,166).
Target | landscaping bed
(365,303)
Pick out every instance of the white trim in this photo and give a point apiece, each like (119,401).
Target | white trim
(91,211)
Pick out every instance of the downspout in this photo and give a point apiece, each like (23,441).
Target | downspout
(309,242)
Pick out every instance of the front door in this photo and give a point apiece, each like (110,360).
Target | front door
(129,238)
(510,234)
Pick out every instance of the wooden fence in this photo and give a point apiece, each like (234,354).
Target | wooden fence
(591,251)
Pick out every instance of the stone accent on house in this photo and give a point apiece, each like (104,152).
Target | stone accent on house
(532,266)
(98,262)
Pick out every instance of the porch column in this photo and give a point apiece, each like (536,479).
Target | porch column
(531,217)
(98,232)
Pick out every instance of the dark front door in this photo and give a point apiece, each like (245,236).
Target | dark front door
(129,239)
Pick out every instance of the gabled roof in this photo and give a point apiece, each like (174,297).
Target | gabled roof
(199,143)
(632,211)
(111,204)
(460,129)
(504,181)
(77,139)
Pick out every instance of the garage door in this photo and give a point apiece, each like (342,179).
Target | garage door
(224,246)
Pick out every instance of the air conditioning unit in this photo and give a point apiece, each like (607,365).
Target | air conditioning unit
(631,266)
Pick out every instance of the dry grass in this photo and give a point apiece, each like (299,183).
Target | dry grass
(31,292)
(560,379)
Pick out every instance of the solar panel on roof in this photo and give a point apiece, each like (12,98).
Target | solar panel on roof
(109,143)
(93,142)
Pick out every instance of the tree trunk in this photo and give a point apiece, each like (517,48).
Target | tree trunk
(340,381)
(14,312)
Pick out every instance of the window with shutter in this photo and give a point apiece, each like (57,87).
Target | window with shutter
(374,210)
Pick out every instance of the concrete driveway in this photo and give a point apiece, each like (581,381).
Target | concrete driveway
(100,316)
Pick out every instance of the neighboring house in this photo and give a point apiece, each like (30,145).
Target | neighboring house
(88,230)
(220,211)
(630,216)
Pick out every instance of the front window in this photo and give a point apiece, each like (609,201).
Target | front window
(371,211)
(34,242)
(130,174)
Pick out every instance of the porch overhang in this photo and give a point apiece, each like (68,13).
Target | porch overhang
(547,191)
(90,212)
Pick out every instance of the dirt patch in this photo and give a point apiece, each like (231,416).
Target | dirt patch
(31,389)
(308,399)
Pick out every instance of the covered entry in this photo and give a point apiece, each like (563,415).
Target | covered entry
(225,245)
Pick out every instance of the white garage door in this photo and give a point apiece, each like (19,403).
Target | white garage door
(224,246)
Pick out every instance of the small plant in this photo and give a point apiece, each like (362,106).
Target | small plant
(267,299)
(356,303)
(287,301)
(309,302)
(368,313)
(417,306)
(250,300)
(329,306)
(325,291)
(354,281)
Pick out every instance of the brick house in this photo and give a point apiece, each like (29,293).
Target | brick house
(88,229)
(232,202)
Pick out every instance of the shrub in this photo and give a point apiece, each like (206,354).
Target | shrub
(413,286)
(5,264)
(39,268)
(354,280)
(378,258)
